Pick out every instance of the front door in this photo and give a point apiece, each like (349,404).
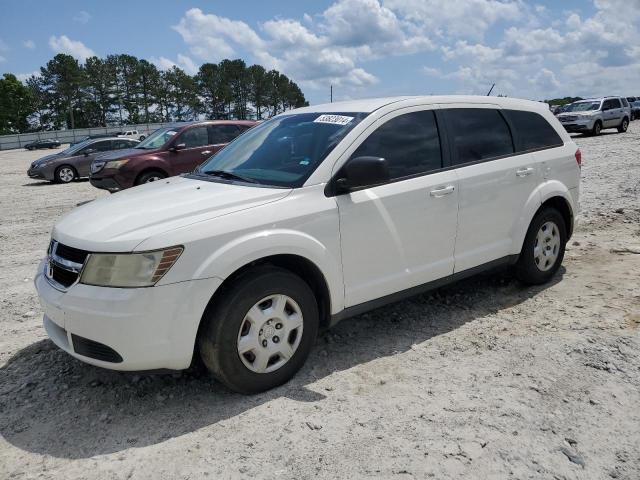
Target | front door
(400,234)
(196,149)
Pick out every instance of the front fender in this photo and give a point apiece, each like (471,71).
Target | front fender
(545,191)
(246,249)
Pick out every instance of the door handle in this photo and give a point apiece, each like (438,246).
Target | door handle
(523,172)
(442,191)
(206,152)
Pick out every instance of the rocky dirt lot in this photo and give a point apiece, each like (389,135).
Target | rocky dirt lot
(482,379)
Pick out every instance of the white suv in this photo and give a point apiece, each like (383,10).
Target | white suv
(133,134)
(313,216)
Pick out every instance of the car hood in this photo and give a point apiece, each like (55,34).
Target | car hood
(46,158)
(120,222)
(126,153)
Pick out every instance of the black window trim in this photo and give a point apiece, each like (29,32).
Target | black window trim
(330,188)
(446,147)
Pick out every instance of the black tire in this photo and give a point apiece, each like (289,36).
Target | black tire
(597,128)
(624,125)
(141,137)
(150,176)
(225,316)
(61,175)
(527,269)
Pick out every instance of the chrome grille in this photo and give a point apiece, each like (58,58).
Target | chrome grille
(568,118)
(64,264)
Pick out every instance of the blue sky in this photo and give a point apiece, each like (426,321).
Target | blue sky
(364,48)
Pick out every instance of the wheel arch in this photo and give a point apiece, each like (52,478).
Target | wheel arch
(554,194)
(296,264)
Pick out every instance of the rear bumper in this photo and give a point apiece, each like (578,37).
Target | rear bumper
(126,328)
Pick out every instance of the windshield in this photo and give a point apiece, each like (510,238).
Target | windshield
(157,138)
(583,107)
(285,150)
(75,147)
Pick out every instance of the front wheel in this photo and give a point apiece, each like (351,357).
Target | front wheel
(148,177)
(64,174)
(543,248)
(259,332)
(597,128)
(624,125)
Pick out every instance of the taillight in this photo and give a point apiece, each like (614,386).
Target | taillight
(579,158)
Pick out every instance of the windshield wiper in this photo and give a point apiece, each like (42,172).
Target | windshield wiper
(229,175)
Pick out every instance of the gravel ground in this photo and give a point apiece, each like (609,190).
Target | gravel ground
(482,379)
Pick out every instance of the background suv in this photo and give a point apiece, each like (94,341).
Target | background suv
(593,115)
(313,216)
(75,161)
(166,152)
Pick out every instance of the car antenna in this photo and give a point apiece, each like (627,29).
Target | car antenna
(491,90)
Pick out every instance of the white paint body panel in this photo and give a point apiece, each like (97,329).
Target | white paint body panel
(367,244)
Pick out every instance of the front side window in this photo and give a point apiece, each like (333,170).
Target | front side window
(103,146)
(223,133)
(478,134)
(611,104)
(194,137)
(534,132)
(285,150)
(410,143)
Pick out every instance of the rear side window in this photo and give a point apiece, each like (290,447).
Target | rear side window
(194,137)
(410,143)
(223,133)
(532,131)
(478,134)
(625,102)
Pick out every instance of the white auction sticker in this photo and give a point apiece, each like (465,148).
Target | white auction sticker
(335,119)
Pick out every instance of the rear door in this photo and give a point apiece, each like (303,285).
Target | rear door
(220,135)
(196,148)
(611,109)
(494,184)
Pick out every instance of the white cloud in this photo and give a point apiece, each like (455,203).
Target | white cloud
(82,17)
(75,48)
(2,59)
(23,77)
(183,62)
(30,44)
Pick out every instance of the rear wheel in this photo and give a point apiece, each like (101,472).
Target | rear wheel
(260,331)
(624,125)
(64,174)
(150,176)
(543,248)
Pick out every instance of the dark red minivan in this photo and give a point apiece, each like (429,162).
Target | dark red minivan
(166,152)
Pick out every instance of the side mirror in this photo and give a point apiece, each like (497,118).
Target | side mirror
(362,172)
(89,152)
(179,146)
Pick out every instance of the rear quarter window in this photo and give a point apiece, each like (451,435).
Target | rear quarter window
(477,134)
(532,131)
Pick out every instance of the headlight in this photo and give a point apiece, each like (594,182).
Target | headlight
(128,270)
(116,163)
(97,166)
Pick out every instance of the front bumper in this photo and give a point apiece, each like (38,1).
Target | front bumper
(37,174)
(126,328)
(105,184)
(578,125)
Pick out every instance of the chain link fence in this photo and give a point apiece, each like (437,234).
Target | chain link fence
(19,140)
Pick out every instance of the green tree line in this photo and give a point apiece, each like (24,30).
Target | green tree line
(122,89)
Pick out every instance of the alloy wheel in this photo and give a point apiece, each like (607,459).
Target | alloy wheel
(270,333)
(66,174)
